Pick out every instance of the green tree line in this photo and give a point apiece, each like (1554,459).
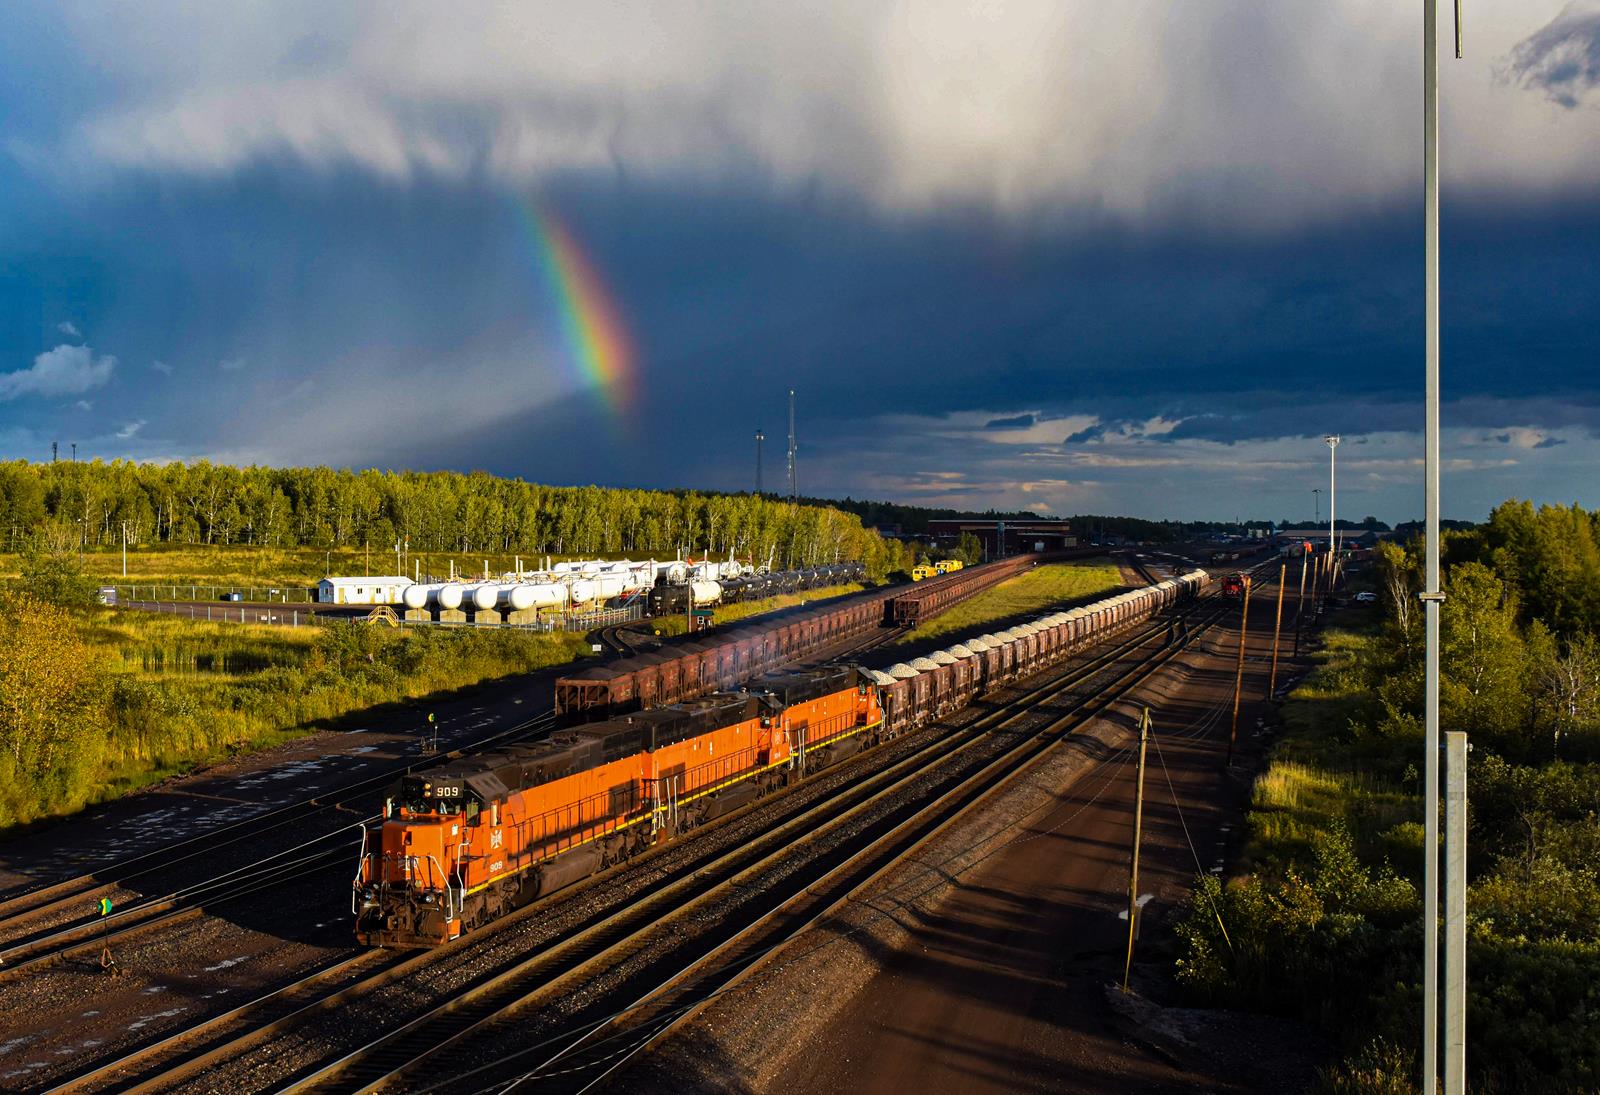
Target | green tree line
(202,503)
(1326,924)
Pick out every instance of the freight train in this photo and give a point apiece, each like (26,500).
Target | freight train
(463,843)
(668,599)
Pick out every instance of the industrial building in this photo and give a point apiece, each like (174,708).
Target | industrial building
(385,590)
(1005,538)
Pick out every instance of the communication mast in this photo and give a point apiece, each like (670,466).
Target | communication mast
(760,437)
(793,488)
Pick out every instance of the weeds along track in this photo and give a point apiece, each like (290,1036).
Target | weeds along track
(444,997)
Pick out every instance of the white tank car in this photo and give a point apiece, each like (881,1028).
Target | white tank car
(705,593)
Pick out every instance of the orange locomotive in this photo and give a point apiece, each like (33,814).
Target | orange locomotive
(466,842)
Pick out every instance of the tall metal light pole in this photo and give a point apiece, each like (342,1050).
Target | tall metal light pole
(1333,447)
(760,437)
(1316,506)
(1430,588)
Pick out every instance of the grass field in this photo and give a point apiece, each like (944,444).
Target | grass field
(170,694)
(727,614)
(1037,590)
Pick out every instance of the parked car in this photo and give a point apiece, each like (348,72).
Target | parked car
(1366,597)
(233,596)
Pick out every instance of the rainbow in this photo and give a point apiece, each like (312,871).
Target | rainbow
(596,340)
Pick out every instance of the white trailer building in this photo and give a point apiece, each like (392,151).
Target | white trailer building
(385,590)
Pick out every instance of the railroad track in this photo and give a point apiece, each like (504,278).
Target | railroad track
(623,640)
(72,903)
(591,1053)
(244,1029)
(329,852)
(96,934)
(604,943)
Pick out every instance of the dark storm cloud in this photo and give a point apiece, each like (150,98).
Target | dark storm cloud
(1017,422)
(437,344)
(1197,267)
(1561,59)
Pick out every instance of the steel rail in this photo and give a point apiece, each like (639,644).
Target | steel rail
(447,1023)
(741,956)
(50,898)
(173,1042)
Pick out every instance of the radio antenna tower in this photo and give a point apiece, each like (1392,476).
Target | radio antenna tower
(760,437)
(794,491)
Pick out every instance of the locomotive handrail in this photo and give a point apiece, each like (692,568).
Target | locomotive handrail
(449,907)
(361,865)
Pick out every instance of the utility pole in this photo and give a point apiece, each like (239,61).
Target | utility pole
(55,449)
(124,549)
(1300,605)
(1238,678)
(794,490)
(760,437)
(1277,629)
(1455,913)
(1138,832)
(1432,595)
(74,452)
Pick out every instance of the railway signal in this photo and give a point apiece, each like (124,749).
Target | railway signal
(108,963)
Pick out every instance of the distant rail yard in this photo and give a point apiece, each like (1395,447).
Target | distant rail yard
(792,746)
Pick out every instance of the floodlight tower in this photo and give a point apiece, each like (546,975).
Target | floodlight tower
(1333,447)
(760,437)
